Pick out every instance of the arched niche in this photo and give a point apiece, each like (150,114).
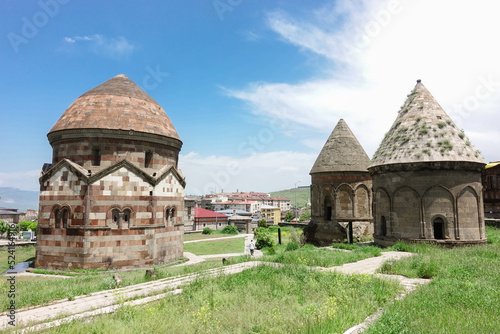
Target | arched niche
(406,206)
(344,201)
(468,214)
(438,201)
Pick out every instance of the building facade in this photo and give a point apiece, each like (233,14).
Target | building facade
(271,213)
(427,178)
(206,218)
(112,197)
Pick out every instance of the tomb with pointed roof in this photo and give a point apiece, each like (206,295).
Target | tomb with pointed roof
(113,195)
(427,178)
(340,189)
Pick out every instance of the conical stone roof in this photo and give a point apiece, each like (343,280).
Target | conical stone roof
(117,104)
(423,132)
(341,153)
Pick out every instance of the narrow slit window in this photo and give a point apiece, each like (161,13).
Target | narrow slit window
(148,159)
(96,153)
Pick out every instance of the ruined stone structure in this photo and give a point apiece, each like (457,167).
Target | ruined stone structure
(112,196)
(340,189)
(427,178)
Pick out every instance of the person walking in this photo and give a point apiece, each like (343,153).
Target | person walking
(251,246)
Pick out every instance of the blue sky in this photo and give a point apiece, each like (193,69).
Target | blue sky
(253,88)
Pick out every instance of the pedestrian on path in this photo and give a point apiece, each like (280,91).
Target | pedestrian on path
(251,246)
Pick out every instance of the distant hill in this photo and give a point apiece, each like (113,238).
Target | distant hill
(303,195)
(13,198)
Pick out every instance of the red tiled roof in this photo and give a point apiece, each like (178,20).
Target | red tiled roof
(204,213)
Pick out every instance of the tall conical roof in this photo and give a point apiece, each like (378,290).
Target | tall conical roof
(342,153)
(423,132)
(117,104)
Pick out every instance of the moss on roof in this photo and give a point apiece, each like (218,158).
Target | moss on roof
(423,132)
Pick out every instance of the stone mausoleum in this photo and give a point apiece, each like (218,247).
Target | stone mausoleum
(112,196)
(340,189)
(427,178)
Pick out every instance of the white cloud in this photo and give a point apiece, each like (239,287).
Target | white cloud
(256,172)
(375,51)
(25,180)
(101,45)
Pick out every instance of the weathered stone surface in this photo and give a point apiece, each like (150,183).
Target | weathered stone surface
(342,152)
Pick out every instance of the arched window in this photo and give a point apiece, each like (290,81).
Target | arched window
(115,219)
(172,216)
(64,217)
(57,218)
(167,216)
(127,218)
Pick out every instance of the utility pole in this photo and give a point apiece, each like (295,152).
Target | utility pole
(296,201)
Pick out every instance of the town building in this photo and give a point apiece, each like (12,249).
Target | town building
(113,196)
(271,213)
(491,190)
(340,189)
(11,215)
(427,178)
(246,201)
(206,218)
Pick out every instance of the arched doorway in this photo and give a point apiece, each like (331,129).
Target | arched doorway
(383,226)
(328,209)
(438,227)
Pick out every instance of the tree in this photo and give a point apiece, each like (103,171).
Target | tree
(4,227)
(305,216)
(263,223)
(264,238)
(24,225)
(289,216)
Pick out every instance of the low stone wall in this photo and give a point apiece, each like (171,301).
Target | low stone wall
(296,225)
(492,222)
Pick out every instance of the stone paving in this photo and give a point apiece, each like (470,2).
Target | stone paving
(109,301)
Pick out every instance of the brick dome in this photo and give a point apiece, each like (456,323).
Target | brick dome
(117,104)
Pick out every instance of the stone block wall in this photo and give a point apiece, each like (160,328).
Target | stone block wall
(414,204)
(113,150)
(118,221)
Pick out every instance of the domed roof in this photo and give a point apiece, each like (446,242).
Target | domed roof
(117,104)
(342,153)
(423,132)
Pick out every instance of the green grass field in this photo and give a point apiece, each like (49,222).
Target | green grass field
(264,299)
(234,245)
(199,236)
(463,296)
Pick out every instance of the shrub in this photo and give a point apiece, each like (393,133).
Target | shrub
(264,238)
(207,230)
(292,245)
(426,270)
(24,225)
(230,229)
(263,223)
(271,251)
